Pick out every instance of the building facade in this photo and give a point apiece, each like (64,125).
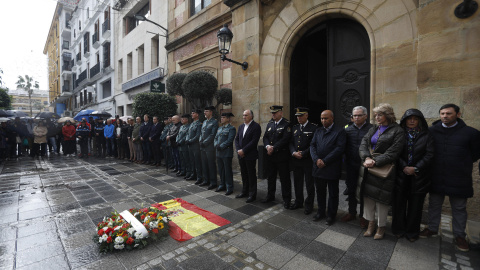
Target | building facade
(92,57)
(333,54)
(39,101)
(140,56)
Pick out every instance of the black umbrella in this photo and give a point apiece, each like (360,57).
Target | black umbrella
(4,113)
(16,113)
(100,114)
(45,115)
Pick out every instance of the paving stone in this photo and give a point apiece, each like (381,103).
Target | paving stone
(355,261)
(247,241)
(267,230)
(37,239)
(302,262)
(335,239)
(55,262)
(310,230)
(418,255)
(234,216)
(323,253)
(291,240)
(283,221)
(39,253)
(218,209)
(274,255)
(206,261)
(135,258)
(249,210)
(378,251)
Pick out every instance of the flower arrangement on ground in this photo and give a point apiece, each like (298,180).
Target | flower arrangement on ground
(117,233)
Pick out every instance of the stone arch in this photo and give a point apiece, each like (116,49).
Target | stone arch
(299,16)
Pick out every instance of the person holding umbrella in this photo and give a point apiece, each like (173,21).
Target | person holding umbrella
(68,132)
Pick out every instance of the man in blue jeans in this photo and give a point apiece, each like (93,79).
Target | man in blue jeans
(109,137)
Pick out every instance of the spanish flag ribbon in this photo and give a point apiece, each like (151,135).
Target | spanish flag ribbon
(188,220)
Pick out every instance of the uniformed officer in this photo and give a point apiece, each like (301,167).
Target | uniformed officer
(192,140)
(209,130)
(276,139)
(302,134)
(163,138)
(183,148)
(223,143)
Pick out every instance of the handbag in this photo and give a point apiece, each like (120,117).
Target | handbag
(383,171)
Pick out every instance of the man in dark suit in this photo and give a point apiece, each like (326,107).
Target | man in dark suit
(326,149)
(154,138)
(301,160)
(144,133)
(246,143)
(277,158)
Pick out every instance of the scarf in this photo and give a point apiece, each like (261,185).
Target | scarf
(411,134)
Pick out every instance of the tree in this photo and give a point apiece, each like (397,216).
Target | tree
(199,88)
(5,99)
(223,96)
(27,83)
(154,104)
(1,80)
(174,84)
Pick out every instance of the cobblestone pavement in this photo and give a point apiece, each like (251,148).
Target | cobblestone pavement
(49,208)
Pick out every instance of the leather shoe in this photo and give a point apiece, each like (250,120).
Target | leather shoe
(307,211)
(241,195)
(175,170)
(204,184)
(212,187)
(318,217)
(296,206)
(228,193)
(178,173)
(220,189)
(348,217)
(345,192)
(286,205)
(191,178)
(198,182)
(268,199)
(250,199)
(329,221)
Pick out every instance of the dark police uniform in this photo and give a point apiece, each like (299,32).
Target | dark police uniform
(302,168)
(193,136)
(278,136)
(223,143)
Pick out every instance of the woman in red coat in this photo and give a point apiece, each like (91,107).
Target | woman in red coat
(68,132)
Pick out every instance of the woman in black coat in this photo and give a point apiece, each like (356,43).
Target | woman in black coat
(413,175)
(386,140)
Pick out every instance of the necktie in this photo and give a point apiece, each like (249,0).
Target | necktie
(301,128)
(275,125)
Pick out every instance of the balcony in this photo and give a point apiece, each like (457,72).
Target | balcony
(81,78)
(66,45)
(106,66)
(66,30)
(79,59)
(96,40)
(119,4)
(95,70)
(106,29)
(72,64)
(66,89)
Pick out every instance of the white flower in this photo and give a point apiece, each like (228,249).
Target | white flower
(153,224)
(131,230)
(136,245)
(100,240)
(104,237)
(105,228)
(110,224)
(165,219)
(118,240)
(138,235)
(117,228)
(119,246)
(146,219)
(136,214)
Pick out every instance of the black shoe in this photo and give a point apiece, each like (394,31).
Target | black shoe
(220,189)
(175,170)
(204,184)
(250,199)
(268,199)
(329,221)
(181,174)
(318,217)
(295,206)
(191,178)
(241,195)
(228,193)
(286,205)
(307,211)
(212,187)
(187,176)
(345,192)
(198,182)
(171,167)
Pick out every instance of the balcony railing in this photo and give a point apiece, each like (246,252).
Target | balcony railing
(106,25)
(81,77)
(66,45)
(106,63)
(66,88)
(67,24)
(67,67)
(94,70)
(79,57)
(72,62)
(95,37)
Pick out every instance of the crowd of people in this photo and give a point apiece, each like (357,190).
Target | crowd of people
(388,165)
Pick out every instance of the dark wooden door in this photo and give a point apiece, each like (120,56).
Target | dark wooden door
(348,68)
(330,69)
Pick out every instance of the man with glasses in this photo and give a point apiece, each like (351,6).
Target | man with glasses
(355,133)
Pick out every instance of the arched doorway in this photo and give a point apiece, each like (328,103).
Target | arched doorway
(330,69)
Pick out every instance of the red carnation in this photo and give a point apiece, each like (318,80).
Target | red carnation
(142,217)
(145,210)
(154,215)
(100,232)
(109,239)
(130,241)
(109,230)
(155,231)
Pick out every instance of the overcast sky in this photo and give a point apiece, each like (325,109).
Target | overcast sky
(23,32)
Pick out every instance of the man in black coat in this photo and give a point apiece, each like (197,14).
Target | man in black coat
(246,143)
(146,145)
(301,160)
(457,147)
(326,149)
(154,138)
(355,132)
(276,139)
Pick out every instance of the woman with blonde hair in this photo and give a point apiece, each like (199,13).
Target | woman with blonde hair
(380,147)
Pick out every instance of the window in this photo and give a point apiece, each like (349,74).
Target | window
(154,53)
(106,89)
(129,22)
(197,5)
(120,71)
(88,12)
(45,103)
(86,42)
(79,25)
(106,54)
(141,60)
(129,66)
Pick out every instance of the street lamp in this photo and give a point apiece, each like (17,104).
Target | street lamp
(225,36)
(143,18)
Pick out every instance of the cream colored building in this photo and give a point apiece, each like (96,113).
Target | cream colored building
(140,56)
(21,102)
(333,54)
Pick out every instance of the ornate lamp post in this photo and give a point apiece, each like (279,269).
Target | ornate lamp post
(225,36)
